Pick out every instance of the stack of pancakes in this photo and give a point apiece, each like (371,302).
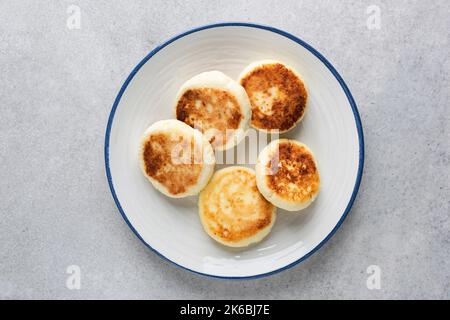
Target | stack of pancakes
(237,205)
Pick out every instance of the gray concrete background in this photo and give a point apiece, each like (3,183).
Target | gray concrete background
(57,89)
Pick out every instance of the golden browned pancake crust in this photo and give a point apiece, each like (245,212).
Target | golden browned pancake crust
(237,212)
(289,105)
(294,175)
(177,175)
(209,108)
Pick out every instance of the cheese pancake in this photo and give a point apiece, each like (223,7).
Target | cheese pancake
(232,210)
(176,158)
(287,174)
(277,94)
(217,106)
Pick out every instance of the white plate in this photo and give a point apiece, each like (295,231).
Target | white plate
(171,227)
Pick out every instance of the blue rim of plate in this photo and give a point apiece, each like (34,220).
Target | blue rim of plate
(298,41)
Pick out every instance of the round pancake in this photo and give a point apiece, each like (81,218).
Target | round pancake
(287,174)
(217,106)
(232,210)
(176,158)
(277,94)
